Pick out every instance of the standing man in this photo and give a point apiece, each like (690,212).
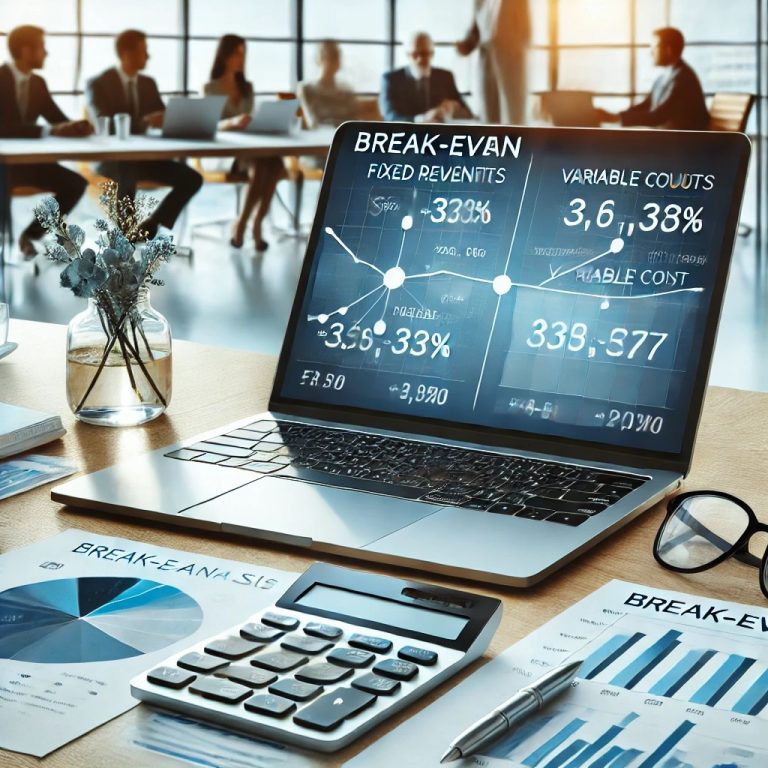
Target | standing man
(24,97)
(501,31)
(123,89)
(420,92)
(676,99)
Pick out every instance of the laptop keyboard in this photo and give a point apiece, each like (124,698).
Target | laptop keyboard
(438,474)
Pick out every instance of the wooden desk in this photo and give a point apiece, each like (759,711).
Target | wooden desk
(214,385)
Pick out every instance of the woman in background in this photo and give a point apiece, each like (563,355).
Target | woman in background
(228,79)
(326,101)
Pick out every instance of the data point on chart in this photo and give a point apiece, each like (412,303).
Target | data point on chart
(617,245)
(379,327)
(329,230)
(394,277)
(502,284)
(407,223)
(605,304)
(343,310)
(322,319)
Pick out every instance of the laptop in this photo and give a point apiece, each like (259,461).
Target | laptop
(192,118)
(570,109)
(273,116)
(496,356)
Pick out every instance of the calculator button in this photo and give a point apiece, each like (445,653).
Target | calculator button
(245,674)
(295,689)
(170,677)
(270,705)
(260,633)
(279,661)
(231,647)
(220,689)
(368,643)
(328,631)
(381,686)
(419,655)
(322,673)
(303,644)
(280,621)
(200,662)
(350,657)
(397,669)
(329,711)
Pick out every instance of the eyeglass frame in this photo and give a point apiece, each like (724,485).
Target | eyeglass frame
(738,550)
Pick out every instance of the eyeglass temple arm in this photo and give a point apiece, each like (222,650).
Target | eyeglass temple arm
(743,555)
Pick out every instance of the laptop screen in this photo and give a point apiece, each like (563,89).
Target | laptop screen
(556,283)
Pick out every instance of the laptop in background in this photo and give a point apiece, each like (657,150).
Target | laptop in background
(273,117)
(570,109)
(496,356)
(192,118)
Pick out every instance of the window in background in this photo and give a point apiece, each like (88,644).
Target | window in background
(539,22)
(51,15)
(160,17)
(362,65)
(254,18)
(603,70)
(451,23)
(649,15)
(59,69)
(593,21)
(714,20)
(346,20)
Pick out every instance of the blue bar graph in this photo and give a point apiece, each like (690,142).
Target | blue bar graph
(666,746)
(553,743)
(563,757)
(507,745)
(607,758)
(722,681)
(681,673)
(601,741)
(631,675)
(625,759)
(754,701)
(607,653)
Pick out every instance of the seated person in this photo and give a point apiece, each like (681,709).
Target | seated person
(123,89)
(327,101)
(421,92)
(24,97)
(676,99)
(228,79)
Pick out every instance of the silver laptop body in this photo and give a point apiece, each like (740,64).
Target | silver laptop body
(192,118)
(273,116)
(563,318)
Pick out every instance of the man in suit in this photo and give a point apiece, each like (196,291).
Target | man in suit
(24,97)
(124,89)
(676,99)
(500,31)
(420,92)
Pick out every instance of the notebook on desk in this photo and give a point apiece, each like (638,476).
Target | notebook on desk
(496,356)
(273,117)
(573,109)
(192,118)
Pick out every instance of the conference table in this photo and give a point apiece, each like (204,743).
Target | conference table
(214,385)
(237,144)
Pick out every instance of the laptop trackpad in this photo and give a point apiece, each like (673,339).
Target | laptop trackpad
(302,513)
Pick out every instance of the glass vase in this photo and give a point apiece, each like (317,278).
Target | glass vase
(119,363)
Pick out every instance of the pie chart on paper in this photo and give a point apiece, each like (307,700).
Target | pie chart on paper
(72,621)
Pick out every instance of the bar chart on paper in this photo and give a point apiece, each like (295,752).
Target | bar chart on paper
(712,669)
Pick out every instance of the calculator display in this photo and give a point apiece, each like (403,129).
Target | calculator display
(396,615)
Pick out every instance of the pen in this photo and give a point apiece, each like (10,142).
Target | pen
(525,702)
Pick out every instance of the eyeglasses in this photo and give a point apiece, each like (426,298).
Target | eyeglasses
(703,528)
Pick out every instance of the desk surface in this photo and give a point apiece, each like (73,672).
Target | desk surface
(226,144)
(213,386)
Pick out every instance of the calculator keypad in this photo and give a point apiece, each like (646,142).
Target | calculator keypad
(279,673)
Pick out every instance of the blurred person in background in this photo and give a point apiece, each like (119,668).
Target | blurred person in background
(24,98)
(326,101)
(124,89)
(676,99)
(420,92)
(500,32)
(228,79)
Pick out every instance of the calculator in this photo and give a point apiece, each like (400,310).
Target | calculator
(337,654)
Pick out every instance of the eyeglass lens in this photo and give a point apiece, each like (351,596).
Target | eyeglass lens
(701,529)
